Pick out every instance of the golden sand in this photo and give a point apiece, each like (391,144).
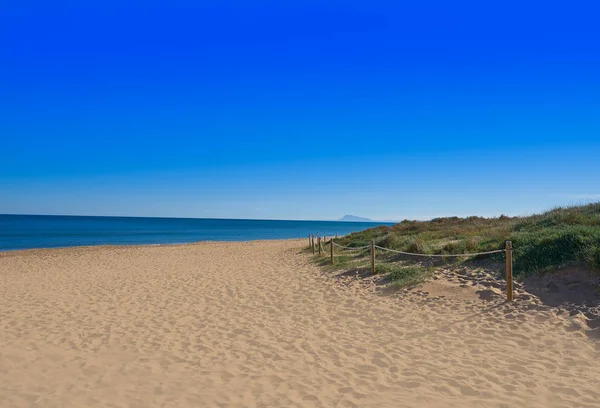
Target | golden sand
(258,325)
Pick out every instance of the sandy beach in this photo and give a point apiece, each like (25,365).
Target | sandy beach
(257,324)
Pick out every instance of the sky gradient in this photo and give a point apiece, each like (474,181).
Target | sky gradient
(310,110)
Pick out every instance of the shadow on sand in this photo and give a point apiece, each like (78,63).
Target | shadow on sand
(573,290)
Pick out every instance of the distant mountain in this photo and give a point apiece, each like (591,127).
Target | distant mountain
(354,218)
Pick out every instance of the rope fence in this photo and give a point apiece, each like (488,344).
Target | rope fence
(318,246)
(442,255)
(351,248)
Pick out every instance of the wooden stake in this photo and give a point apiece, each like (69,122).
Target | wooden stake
(331,249)
(313,242)
(509,272)
(319,243)
(373,256)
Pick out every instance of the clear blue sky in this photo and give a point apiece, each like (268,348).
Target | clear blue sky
(298,110)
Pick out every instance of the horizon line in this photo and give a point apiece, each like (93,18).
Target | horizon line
(194,218)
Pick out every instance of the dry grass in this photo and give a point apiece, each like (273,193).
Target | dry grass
(543,242)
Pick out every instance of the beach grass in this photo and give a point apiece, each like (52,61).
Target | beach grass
(403,275)
(564,236)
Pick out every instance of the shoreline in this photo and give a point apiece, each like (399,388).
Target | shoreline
(33,232)
(107,246)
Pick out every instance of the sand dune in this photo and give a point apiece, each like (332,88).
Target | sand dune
(257,325)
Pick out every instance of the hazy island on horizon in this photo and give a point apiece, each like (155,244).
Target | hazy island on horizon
(355,218)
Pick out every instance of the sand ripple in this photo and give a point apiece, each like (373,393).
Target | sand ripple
(256,325)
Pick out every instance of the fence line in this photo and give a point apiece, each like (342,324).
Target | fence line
(441,255)
(351,248)
(332,244)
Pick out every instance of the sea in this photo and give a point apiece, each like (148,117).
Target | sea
(52,231)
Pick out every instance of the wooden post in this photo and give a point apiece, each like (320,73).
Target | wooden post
(313,242)
(319,243)
(331,249)
(509,272)
(373,256)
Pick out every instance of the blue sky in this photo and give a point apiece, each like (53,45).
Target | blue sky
(298,110)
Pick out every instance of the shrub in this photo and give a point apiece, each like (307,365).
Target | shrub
(541,242)
(407,275)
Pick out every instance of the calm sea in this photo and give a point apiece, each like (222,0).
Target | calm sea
(48,231)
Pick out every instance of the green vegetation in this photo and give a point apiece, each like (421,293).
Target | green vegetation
(557,238)
(403,276)
(341,262)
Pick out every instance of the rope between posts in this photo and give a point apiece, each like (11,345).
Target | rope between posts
(508,251)
(441,256)
(356,248)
